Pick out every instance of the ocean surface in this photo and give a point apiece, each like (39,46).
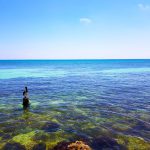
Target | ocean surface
(105,103)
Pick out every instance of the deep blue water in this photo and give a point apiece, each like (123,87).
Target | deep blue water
(85,97)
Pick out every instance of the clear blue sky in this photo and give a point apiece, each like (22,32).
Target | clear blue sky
(74,29)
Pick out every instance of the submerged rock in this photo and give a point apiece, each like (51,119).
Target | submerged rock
(133,143)
(78,145)
(13,146)
(26,140)
(9,129)
(6,136)
(41,136)
(40,146)
(142,126)
(50,127)
(101,143)
(62,146)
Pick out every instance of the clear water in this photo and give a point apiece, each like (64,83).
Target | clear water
(85,99)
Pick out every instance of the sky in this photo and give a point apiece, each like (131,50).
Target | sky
(74,29)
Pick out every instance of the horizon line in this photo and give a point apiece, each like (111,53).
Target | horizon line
(82,59)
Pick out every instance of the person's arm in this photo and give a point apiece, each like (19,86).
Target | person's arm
(24,93)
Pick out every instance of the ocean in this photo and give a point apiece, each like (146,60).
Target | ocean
(105,103)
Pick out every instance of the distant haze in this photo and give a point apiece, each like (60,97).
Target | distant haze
(74,29)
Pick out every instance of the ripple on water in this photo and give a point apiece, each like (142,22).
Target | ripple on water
(90,102)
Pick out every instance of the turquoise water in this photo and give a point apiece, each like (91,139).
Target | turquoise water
(71,100)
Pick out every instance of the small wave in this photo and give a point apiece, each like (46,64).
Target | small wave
(127,70)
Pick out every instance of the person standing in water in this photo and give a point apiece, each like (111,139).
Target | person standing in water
(25,98)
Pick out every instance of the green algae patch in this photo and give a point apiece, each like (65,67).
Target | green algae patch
(81,98)
(2,106)
(34,104)
(13,146)
(2,143)
(133,143)
(80,111)
(35,121)
(31,139)
(25,139)
(121,127)
(57,102)
(41,136)
(57,137)
(100,120)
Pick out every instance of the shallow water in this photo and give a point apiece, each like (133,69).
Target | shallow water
(75,100)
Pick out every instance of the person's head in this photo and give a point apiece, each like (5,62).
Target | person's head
(26,89)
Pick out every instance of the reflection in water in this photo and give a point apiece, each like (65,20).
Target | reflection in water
(25,109)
